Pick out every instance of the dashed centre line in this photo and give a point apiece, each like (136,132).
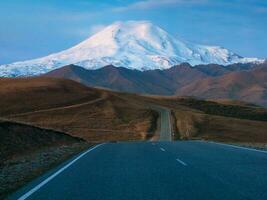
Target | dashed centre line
(162,149)
(177,159)
(181,162)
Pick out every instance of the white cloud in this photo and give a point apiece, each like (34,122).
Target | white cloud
(151,4)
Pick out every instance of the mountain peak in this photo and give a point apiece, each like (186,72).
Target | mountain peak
(132,44)
(137,26)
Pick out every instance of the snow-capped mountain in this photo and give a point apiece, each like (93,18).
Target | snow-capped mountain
(134,44)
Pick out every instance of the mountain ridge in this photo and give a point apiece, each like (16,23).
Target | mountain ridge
(249,86)
(174,81)
(133,45)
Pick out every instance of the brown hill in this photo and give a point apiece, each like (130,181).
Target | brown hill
(68,106)
(249,86)
(161,82)
(58,105)
(29,94)
(120,79)
(27,151)
(182,79)
(227,121)
(18,139)
(101,115)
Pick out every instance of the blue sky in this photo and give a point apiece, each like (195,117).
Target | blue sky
(34,28)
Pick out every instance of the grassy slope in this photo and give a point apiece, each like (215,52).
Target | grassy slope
(64,105)
(18,139)
(100,115)
(228,121)
(30,94)
(27,151)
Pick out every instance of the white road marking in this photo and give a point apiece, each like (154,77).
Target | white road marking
(182,162)
(239,147)
(33,190)
(162,149)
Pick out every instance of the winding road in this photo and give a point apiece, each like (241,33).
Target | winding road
(188,170)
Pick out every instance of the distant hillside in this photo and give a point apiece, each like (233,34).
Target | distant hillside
(249,86)
(162,82)
(204,81)
(120,79)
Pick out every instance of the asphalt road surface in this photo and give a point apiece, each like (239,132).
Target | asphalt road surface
(185,170)
(165,123)
(165,127)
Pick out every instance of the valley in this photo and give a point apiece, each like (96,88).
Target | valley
(86,116)
(133,100)
(102,115)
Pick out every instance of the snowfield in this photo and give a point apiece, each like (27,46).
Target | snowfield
(135,45)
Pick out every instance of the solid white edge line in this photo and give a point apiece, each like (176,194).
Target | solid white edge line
(238,147)
(162,149)
(33,190)
(182,162)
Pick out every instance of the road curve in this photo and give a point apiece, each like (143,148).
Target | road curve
(189,170)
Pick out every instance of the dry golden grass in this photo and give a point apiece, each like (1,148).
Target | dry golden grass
(227,129)
(27,151)
(101,115)
(227,121)
(188,123)
(64,105)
